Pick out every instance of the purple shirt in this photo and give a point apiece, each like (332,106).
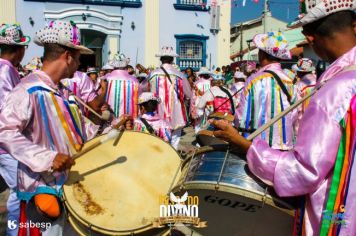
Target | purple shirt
(307,169)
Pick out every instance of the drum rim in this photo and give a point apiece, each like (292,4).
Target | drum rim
(105,230)
(234,189)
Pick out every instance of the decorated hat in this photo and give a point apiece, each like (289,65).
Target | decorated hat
(92,70)
(167,52)
(148,96)
(273,43)
(61,32)
(313,10)
(119,60)
(34,64)
(305,65)
(239,74)
(107,66)
(204,71)
(12,35)
(218,77)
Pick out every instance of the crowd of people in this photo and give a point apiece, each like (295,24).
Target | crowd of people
(49,109)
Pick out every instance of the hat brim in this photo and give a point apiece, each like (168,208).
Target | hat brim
(167,55)
(316,13)
(24,43)
(301,70)
(205,73)
(258,41)
(80,48)
(91,72)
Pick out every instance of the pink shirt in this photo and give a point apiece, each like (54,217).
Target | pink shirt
(81,86)
(123,92)
(9,78)
(308,168)
(36,123)
(160,127)
(172,108)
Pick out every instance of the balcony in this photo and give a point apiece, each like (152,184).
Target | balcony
(191,5)
(193,63)
(120,3)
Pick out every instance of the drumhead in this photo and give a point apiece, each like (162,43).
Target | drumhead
(115,189)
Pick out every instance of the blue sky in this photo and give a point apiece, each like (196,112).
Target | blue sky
(252,10)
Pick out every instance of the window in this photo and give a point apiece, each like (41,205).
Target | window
(122,3)
(191,50)
(191,5)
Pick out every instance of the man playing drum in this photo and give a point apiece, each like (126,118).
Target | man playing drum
(268,92)
(38,128)
(321,165)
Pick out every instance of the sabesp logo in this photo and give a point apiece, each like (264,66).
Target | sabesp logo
(12,224)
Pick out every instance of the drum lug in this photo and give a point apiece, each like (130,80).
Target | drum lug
(216,187)
(264,197)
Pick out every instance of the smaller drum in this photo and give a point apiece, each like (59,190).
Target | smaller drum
(231,199)
(206,137)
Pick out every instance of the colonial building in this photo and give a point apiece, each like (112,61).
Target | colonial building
(198,30)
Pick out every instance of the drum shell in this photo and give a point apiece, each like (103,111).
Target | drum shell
(231,199)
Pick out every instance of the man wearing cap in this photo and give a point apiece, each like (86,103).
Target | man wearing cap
(237,87)
(12,47)
(305,85)
(268,92)
(82,87)
(216,99)
(92,72)
(200,87)
(149,121)
(321,165)
(107,68)
(124,89)
(38,128)
(172,88)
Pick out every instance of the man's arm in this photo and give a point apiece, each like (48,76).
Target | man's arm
(14,118)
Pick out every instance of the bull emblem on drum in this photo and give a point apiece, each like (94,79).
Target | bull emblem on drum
(179,200)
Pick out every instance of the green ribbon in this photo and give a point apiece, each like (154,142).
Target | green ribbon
(335,181)
(272,113)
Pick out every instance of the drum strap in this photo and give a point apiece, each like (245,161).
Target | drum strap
(281,85)
(230,98)
(148,126)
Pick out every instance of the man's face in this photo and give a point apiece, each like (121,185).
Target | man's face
(316,42)
(20,53)
(73,62)
(93,76)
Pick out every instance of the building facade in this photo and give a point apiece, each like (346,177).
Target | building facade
(242,34)
(199,30)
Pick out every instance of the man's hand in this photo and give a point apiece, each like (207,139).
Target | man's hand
(124,121)
(104,85)
(228,133)
(62,162)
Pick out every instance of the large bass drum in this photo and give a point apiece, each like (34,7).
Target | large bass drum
(114,190)
(231,199)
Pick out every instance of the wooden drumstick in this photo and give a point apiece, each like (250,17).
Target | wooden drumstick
(102,117)
(111,135)
(280,115)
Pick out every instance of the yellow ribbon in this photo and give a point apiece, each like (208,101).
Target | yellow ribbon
(76,146)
